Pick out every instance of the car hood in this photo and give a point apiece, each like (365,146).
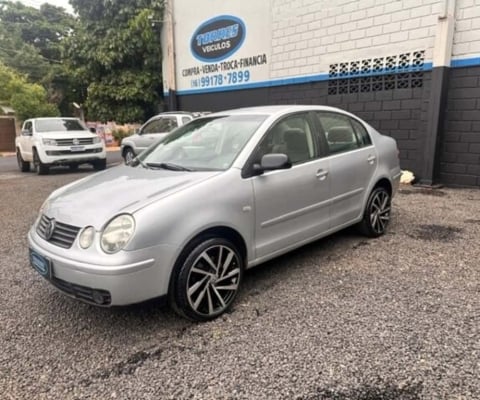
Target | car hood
(96,199)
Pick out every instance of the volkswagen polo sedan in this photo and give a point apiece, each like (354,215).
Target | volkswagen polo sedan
(218,195)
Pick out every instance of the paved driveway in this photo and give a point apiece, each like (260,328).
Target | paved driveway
(344,318)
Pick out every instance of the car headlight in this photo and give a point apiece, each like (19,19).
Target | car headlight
(86,237)
(49,142)
(117,233)
(96,139)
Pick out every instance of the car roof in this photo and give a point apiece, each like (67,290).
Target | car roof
(276,109)
(44,118)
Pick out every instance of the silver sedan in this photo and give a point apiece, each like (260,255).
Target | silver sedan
(221,194)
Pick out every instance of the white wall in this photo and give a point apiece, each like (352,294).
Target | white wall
(466,40)
(309,35)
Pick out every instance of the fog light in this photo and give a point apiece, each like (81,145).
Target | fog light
(86,237)
(98,297)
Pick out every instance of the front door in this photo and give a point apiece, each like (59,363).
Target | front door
(291,205)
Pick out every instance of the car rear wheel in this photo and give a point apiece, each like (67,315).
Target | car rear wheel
(24,166)
(377,213)
(100,165)
(207,281)
(128,155)
(40,168)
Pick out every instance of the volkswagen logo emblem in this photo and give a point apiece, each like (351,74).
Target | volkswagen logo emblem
(49,229)
(76,141)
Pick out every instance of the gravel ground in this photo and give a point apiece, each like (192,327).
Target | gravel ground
(344,318)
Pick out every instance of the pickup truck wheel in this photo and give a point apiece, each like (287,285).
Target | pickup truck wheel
(40,168)
(100,165)
(128,155)
(24,166)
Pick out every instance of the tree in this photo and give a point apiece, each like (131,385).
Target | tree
(27,99)
(31,42)
(116,49)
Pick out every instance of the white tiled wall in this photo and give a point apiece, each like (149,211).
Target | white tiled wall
(466,40)
(309,35)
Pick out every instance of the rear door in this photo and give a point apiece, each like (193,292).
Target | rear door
(353,161)
(291,205)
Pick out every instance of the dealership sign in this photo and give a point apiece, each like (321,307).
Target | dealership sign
(218,38)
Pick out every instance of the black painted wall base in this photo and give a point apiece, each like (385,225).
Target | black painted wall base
(410,110)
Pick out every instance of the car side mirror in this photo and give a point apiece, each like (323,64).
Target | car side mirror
(136,131)
(26,132)
(93,130)
(271,162)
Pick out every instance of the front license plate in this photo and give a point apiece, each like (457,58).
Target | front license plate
(77,148)
(41,264)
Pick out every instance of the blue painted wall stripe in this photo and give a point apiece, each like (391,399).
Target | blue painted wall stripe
(295,80)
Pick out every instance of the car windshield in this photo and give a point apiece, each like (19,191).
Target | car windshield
(210,143)
(59,125)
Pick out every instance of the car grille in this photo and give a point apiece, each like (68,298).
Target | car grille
(83,292)
(69,152)
(69,142)
(61,235)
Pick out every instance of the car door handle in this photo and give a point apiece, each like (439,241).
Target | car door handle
(321,174)
(371,159)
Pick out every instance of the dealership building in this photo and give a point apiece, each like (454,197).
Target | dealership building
(410,68)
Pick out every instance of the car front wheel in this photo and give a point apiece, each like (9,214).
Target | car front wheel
(40,168)
(24,166)
(377,213)
(128,155)
(207,281)
(100,165)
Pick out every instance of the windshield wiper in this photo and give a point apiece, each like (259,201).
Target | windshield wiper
(136,162)
(169,166)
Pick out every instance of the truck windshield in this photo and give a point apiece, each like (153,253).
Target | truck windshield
(59,125)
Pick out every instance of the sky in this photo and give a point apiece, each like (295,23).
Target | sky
(60,3)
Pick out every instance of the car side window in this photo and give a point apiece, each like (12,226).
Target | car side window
(151,127)
(339,132)
(362,133)
(28,126)
(167,124)
(291,136)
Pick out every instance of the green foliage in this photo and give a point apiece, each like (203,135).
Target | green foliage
(120,133)
(27,99)
(31,42)
(116,49)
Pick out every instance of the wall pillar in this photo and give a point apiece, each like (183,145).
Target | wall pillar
(442,54)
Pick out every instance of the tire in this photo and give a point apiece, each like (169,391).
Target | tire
(206,279)
(376,216)
(24,166)
(40,168)
(100,165)
(128,155)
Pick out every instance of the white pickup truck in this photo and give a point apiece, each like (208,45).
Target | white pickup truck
(47,142)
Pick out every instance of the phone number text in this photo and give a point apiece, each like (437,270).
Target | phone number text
(228,78)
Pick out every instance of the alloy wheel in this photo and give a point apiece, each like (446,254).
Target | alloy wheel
(380,211)
(213,280)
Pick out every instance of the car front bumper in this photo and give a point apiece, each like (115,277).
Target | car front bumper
(58,155)
(107,280)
